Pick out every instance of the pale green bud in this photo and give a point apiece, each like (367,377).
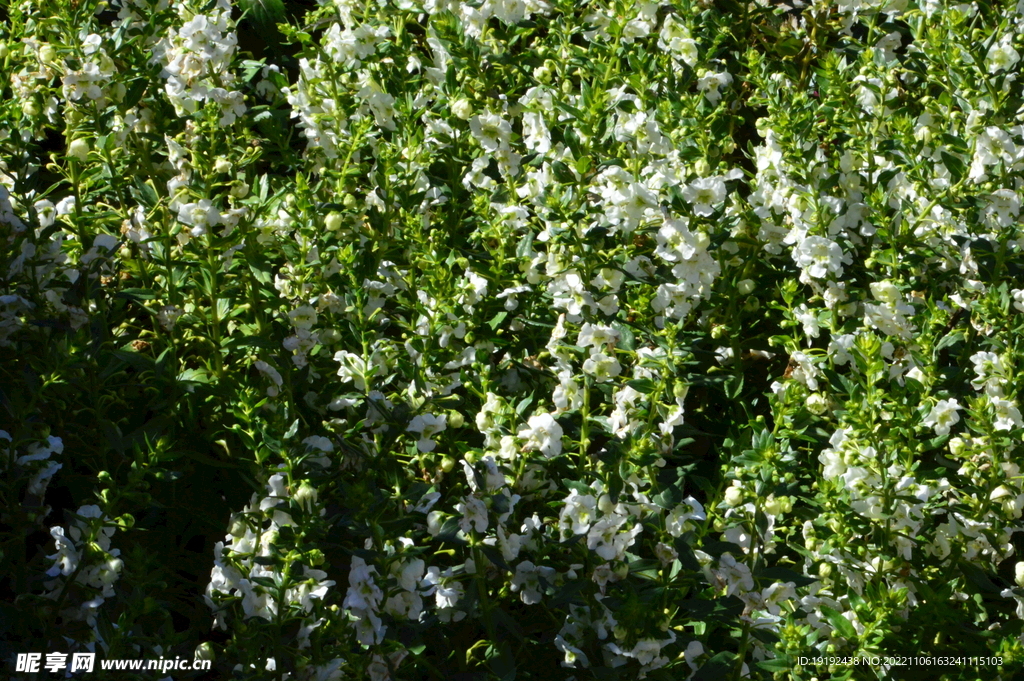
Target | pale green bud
(461,108)
(333,222)
(79,149)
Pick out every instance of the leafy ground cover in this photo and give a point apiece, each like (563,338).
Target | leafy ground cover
(514,339)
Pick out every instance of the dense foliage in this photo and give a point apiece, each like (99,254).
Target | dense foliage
(513,339)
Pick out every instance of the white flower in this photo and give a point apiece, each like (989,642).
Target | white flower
(943,415)
(491,131)
(270,372)
(679,519)
(577,514)
(509,295)
(988,366)
(199,215)
(567,394)
(676,242)
(704,193)
(542,433)
(597,335)
(818,256)
(427,425)
(572,653)
(353,368)
(833,463)
(65,206)
(710,83)
(303,317)
(1007,415)
(675,38)
(527,581)
(1001,56)
(1018,299)
(732,575)
(777,594)
(474,514)
(605,539)
(809,320)
(602,367)
(804,370)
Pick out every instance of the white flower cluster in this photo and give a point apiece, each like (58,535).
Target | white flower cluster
(196,58)
(36,461)
(244,561)
(84,557)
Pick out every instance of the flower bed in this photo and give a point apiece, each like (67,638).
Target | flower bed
(521,339)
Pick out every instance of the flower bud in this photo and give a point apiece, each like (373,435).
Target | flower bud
(817,404)
(30,107)
(305,496)
(222,165)
(435,519)
(205,651)
(745,287)
(47,54)
(333,222)
(734,496)
(999,493)
(238,527)
(79,149)
(462,109)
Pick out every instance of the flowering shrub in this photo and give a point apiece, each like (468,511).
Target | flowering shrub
(516,339)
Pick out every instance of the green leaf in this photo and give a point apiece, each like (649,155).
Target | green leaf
(137,293)
(525,247)
(524,404)
(718,667)
(779,664)
(839,623)
(642,385)
(978,577)
(783,574)
(195,376)
(627,341)
(577,485)
(955,166)
(562,173)
(671,497)
(497,320)
(265,14)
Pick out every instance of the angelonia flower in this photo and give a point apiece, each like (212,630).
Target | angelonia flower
(675,354)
